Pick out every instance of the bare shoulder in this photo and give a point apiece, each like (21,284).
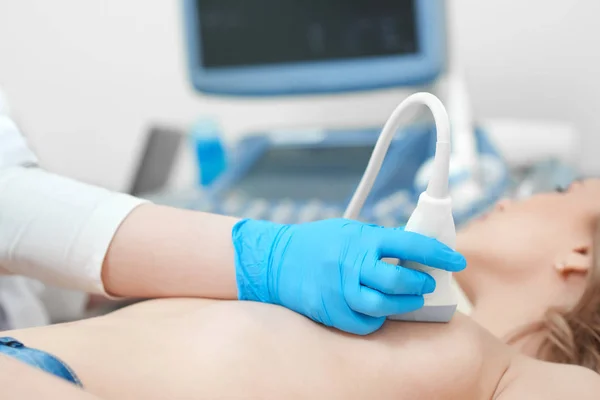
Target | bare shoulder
(534,379)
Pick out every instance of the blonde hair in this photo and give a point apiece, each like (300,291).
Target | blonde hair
(572,336)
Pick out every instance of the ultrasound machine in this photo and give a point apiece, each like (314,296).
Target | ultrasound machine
(274,48)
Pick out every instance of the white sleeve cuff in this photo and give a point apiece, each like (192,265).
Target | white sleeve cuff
(58,230)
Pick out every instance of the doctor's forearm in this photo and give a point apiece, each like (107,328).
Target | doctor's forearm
(162,252)
(76,235)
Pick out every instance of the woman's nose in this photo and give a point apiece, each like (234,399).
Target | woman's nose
(503,204)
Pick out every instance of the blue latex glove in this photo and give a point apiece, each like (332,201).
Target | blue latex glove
(331,271)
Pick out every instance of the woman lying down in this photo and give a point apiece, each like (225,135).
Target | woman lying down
(532,281)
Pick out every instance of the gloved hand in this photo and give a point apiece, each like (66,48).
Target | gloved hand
(331,271)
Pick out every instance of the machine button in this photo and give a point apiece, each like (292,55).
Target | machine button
(392,204)
(331,212)
(383,207)
(311,211)
(400,199)
(201,205)
(257,209)
(283,212)
(387,222)
(232,204)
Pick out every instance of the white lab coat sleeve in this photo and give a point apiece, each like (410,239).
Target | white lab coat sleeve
(56,229)
(53,228)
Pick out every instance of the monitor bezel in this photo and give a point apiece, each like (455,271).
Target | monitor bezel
(322,77)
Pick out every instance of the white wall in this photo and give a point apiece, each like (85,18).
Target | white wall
(534,59)
(86,78)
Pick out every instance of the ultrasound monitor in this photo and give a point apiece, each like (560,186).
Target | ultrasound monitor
(287,47)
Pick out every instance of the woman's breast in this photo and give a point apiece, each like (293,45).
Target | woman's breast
(200,348)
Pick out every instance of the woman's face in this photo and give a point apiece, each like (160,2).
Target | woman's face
(519,236)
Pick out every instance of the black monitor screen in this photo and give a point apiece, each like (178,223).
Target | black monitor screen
(259,32)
